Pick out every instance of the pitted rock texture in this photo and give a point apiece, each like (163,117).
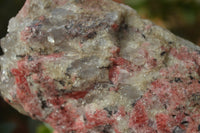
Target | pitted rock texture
(94,66)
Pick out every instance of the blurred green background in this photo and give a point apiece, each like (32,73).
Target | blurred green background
(182,17)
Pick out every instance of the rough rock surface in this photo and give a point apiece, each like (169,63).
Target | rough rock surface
(94,66)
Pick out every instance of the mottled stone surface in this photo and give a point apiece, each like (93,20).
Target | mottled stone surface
(94,66)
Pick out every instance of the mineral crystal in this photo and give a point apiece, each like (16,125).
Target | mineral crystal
(94,66)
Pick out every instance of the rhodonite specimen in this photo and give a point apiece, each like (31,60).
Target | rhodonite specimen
(94,66)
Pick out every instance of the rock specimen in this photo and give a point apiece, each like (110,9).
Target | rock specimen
(94,66)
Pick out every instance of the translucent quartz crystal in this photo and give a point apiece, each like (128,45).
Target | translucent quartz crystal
(94,66)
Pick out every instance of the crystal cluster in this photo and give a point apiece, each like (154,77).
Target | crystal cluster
(94,66)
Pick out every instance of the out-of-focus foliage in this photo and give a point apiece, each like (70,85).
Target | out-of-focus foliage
(44,128)
(182,17)
(7,127)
